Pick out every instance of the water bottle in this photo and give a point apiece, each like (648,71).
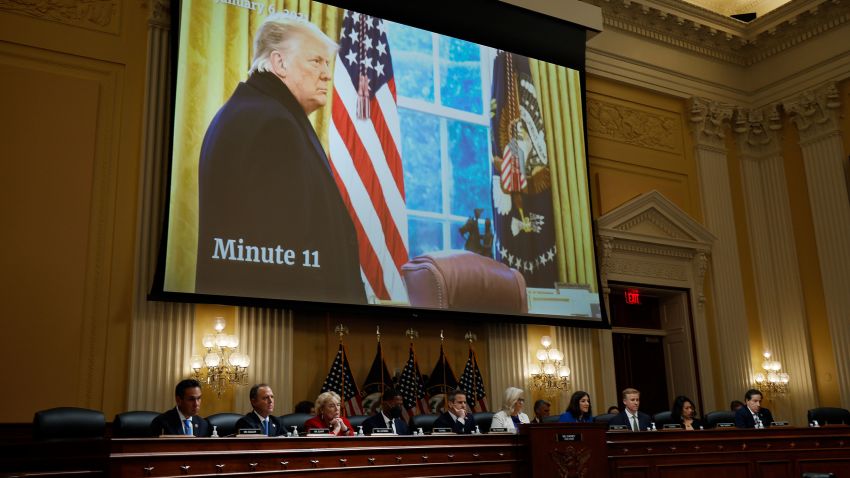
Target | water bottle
(815,424)
(360,431)
(295,431)
(477,431)
(420,432)
(215,431)
(652,428)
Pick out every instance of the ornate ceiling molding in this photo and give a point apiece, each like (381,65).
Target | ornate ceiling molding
(704,32)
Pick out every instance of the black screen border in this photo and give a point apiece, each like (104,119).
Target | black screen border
(568,51)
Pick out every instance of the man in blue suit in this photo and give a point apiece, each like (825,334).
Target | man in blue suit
(389,416)
(456,416)
(183,419)
(631,416)
(262,402)
(752,414)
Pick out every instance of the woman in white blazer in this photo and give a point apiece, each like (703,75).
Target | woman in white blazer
(511,413)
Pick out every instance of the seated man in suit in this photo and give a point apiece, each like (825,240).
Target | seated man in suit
(541,410)
(630,416)
(752,415)
(456,415)
(389,416)
(262,402)
(183,419)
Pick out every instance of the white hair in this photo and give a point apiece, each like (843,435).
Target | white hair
(512,394)
(324,398)
(277,31)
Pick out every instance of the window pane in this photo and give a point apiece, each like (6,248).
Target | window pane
(424,235)
(471,176)
(460,74)
(413,61)
(420,156)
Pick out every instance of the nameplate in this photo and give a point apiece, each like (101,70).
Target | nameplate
(441,431)
(249,431)
(779,424)
(176,436)
(619,428)
(725,425)
(498,430)
(569,436)
(382,431)
(319,431)
(671,426)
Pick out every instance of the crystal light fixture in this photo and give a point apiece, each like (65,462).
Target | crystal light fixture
(223,365)
(549,375)
(772,379)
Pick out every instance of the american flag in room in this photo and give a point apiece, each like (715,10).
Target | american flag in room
(365,153)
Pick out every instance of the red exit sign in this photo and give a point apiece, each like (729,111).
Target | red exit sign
(632,296)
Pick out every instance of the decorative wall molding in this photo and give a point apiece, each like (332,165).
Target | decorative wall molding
(758,130)
(692,28)
(708,122)
(160,13)
(634,249)
(815,112)
(101,15)
(632,126)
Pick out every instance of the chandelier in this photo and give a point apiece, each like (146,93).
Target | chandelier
(549,375)
(223,365)
(772,379)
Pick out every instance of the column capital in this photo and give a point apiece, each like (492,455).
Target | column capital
(759,130)
(815,111)
(160,14)
(707,118)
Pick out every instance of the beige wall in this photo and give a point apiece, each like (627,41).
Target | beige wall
(71,87)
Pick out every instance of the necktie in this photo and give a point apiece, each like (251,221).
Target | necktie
(635,426)
(187,427)
(266,427)
(757,421)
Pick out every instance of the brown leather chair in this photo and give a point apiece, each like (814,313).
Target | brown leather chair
(463,280)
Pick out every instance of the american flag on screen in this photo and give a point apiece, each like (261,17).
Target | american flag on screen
(341,381)
(365,152)
(472,383)
(412,388)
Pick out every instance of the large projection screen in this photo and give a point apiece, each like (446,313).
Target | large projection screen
(368,162)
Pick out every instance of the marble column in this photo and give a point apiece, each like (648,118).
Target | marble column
(708,122)
(816,115)
(161,340)
(779,290)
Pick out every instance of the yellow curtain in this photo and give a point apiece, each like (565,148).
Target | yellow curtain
(560,94)
(215,55)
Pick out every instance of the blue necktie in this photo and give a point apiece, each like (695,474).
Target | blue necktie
(187,428)
(266,427)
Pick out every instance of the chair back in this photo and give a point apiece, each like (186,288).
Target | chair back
(295,420)
(662,418)
(135,424)
(604,418)
(720,416)
(457,279)
(829,415)
(483,420)
(425,422)
(357,420)
(65,423)
(224,423)
(551,419)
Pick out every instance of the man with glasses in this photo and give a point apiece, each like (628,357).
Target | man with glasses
(752,414)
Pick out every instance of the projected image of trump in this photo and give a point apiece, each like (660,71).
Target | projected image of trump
(272,222)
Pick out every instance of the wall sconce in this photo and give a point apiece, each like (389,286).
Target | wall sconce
(549,375)
(772,379)
(223,365)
